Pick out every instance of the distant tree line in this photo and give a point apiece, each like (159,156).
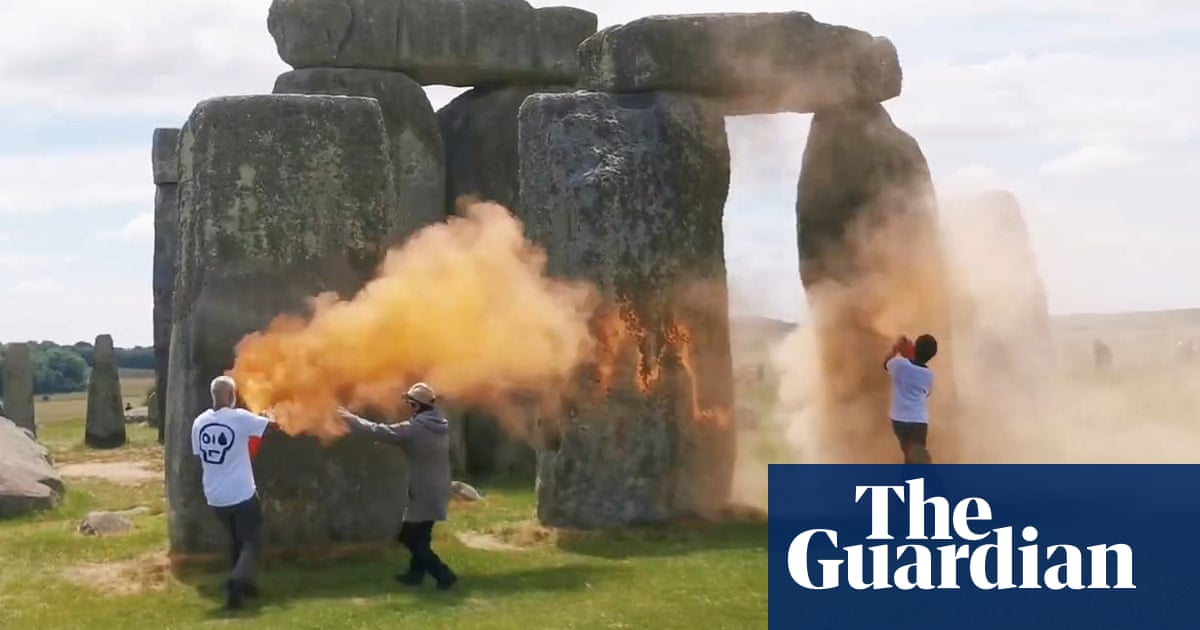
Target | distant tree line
(64,369)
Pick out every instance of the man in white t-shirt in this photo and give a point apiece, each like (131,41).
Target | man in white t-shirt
(221,438)
(912,383)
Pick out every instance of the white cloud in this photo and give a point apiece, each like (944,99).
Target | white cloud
(140,229)
(50,309)
(33,287)
(1093,160)
(1042,97)
(76,179)
(23,261)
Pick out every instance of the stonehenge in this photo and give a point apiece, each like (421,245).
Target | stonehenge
(281,197)
(753,63)
(105,425)
(610,147)
(870,262)
(18,386)
(165,163)
(415,147)
(464,43)
(1002,322)
(629,192)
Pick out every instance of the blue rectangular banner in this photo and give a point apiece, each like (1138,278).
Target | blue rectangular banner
(984,546)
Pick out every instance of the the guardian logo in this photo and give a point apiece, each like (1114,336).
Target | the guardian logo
(989,557)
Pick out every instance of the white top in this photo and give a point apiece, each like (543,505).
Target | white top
(911,385)
(221,439)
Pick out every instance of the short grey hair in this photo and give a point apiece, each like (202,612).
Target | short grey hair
(222,384)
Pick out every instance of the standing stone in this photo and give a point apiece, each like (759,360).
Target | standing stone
(1002,322)
(872,268)
(165,158)
(105,415)
(415,145)
(479,129)
(755,63)
(462,43)
(628,191)
(18,386)
(281,197)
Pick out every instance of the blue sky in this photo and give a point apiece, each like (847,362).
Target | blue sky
(1083,108)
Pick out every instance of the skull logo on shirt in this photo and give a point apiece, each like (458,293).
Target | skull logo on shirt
(215,441)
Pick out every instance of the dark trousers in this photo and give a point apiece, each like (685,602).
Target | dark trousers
(911,436)
(244,524)
(418,539)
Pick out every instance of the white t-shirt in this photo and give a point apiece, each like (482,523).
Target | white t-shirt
(221,439)
(911,385)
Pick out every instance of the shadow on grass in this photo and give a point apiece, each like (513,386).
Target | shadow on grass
(366,572)
(677,539)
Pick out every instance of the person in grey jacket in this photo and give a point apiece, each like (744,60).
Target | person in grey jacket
(425,439)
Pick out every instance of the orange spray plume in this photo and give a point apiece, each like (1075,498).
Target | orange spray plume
(464,305)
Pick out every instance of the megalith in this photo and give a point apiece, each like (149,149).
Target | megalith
(282,197)
(753,63)
(105,426)
(1001,322)
(479,129)
(18,386)
(418,159)
(628,191)
(28,480)
(165,163)
(872,266)
(464,43)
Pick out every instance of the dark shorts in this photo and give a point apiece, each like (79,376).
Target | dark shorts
(910,433)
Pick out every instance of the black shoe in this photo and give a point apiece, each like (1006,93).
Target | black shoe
(447,581)
(410,579)
(233,595)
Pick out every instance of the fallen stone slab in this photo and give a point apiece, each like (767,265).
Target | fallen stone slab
(446,42)
(104,524)
(757,63)
(28,481)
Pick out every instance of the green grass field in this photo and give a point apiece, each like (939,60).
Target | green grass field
(515,574)
(688,576)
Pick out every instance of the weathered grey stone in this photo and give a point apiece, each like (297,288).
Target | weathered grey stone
(166,263)
(164,155)
(758,63)
(18,386)
(137,415)
(28,481)
(628,191)
(281,197)
(463,42)
(416,147)
(153,417)
(871,264)
(104,524)
(1001,326)
(105,413)
(479,129)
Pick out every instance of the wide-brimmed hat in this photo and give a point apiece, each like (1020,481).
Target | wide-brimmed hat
(421,393)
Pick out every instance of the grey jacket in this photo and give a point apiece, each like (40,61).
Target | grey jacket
(426,440)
